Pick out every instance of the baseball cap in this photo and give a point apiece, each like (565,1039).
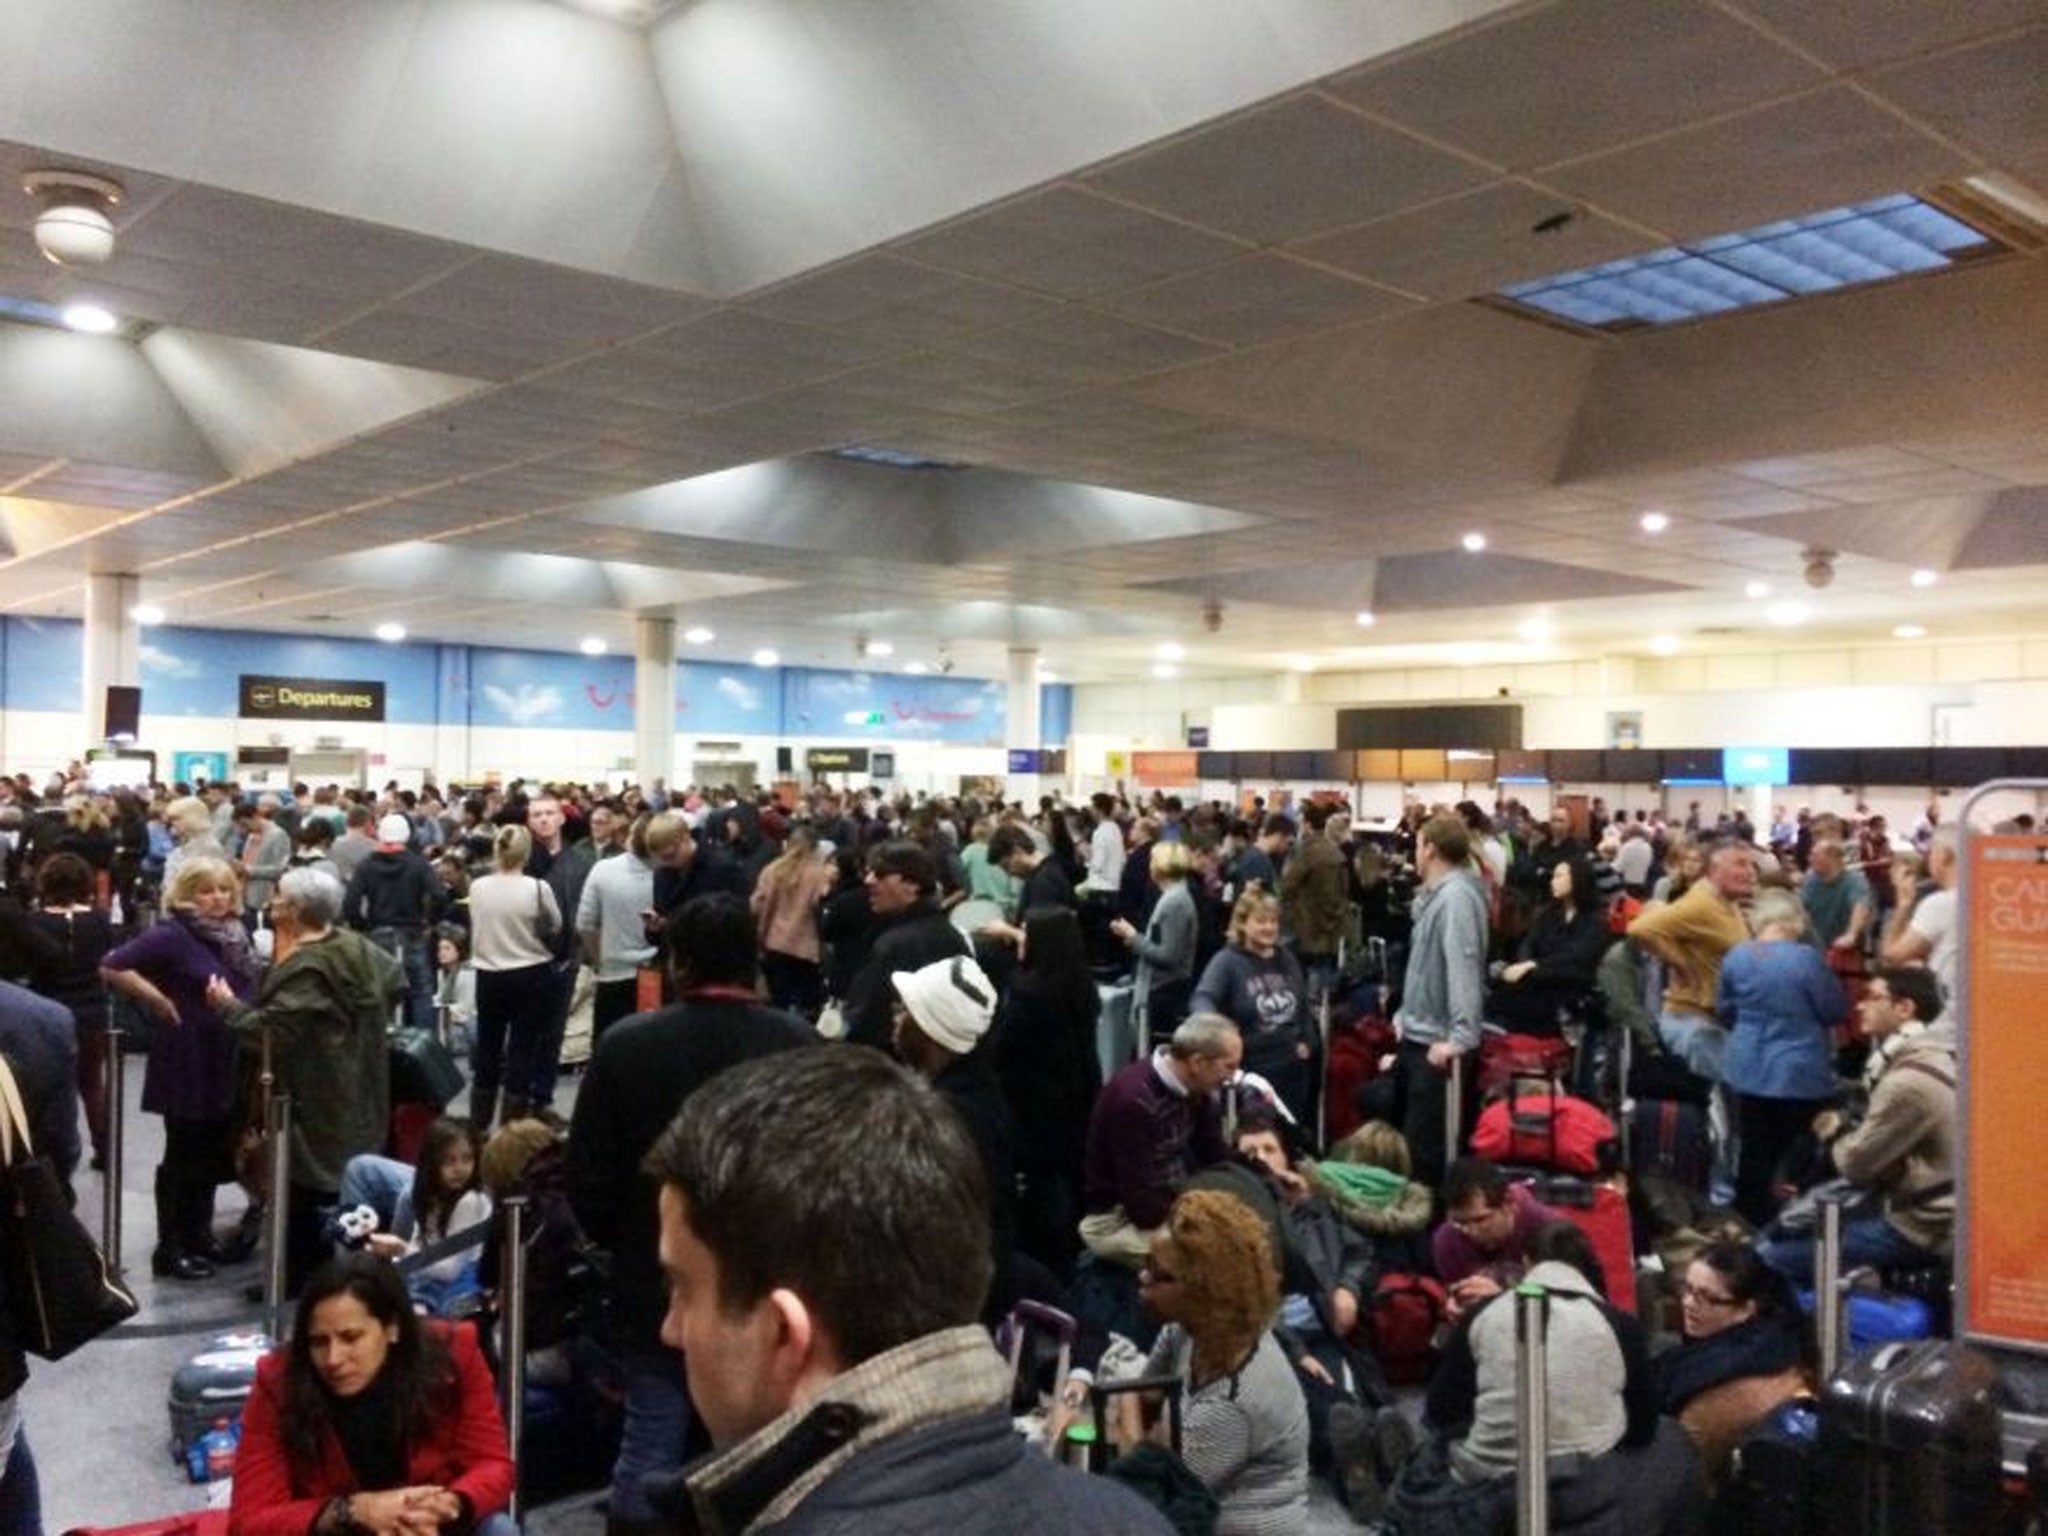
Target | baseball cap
(951,1000)
(394,829)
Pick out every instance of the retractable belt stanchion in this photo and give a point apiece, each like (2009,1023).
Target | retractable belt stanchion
(276,1215)
(110,1188)
(1454,1107)
(1322,1089)
(1827,1287)
(1532,1410)
(512,1339)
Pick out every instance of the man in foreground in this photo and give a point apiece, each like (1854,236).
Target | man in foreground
(824,1294)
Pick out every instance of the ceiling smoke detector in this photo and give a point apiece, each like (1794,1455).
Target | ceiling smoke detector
(1820,565)
(74,226)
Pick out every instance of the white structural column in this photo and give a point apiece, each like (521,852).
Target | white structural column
(654,701)
(1020,718)
(113,647)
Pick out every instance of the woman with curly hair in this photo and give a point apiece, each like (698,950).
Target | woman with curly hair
(372,1421)
(1213,1279)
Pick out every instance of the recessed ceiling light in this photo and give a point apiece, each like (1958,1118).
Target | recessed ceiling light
(1367,618)
(1170,651)
(1910,632)
(1534,630)
(1165,669)
(1654,522)
(916,668)
(1785,615)
(390,633)
(1664,645)
(765,658)
(1757,589)
(697,634)
(591,645)
(89,318)
(1925,578)
(1473,542)
(879,648)
(147,613)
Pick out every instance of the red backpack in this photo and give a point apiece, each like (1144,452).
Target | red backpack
(1401,1324)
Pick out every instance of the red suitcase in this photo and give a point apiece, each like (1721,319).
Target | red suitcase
(197,1522)
(1601,1212)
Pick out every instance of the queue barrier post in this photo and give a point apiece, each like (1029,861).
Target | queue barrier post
(276,1217)
(1827,1287)
(1532,1410)
(512,1339)
(110,1187)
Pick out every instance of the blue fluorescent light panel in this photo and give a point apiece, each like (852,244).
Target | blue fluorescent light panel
(1841,248)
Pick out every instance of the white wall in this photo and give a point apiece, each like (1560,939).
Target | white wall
(1988,692)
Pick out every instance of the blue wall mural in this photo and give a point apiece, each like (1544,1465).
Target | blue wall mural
(194,673)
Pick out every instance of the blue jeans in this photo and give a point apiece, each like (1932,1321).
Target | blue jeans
(500,1524)
(1701,1043)
(1868,1242)
(21,1493)
(657,1422)
(384,1184)
(413,949)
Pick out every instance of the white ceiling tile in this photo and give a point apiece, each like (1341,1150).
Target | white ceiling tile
(1993,96)
(1855,34)
(1286,171)
(1255,299)
(1820,151)
(1065,241)
(1475,243)
(1568,80)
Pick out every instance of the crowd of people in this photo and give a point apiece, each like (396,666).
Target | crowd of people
(963,1053)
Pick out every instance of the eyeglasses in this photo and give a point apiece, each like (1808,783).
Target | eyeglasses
(1706,1298)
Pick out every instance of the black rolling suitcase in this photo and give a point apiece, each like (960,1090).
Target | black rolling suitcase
(1909,1443)
(1772,1484)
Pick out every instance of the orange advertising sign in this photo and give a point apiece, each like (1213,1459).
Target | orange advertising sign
(1164,769)
(2005,1226)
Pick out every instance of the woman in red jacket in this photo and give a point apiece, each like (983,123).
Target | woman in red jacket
(371,1421)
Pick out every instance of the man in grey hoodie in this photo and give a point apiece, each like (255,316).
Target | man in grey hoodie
(1444,992)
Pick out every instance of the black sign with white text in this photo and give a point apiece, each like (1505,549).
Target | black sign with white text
(310,698)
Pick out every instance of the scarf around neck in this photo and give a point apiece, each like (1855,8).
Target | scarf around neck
(228,939)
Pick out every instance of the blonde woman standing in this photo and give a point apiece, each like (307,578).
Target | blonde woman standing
(513,919)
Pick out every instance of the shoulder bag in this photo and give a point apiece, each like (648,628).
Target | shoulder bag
(59,1291)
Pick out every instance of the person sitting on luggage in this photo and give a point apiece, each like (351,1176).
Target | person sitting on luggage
(1559,955)
(1904,1150)
(1747,1348)
(1154,1123)
(1367,1177)
(1483,1245)
(1211,1276)
(445,1199)
(371,1420)
(1640,1474)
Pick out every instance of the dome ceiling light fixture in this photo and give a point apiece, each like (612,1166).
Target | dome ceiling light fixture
(74,227)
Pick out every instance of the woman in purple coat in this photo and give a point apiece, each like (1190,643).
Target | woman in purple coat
(191,1075)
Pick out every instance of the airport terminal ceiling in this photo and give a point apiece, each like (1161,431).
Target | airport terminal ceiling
(1059,323)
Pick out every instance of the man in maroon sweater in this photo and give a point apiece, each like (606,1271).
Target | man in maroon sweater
(1155,1123)
(1483,1245)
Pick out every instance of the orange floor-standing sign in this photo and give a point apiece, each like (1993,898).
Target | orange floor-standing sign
(2006,1222)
